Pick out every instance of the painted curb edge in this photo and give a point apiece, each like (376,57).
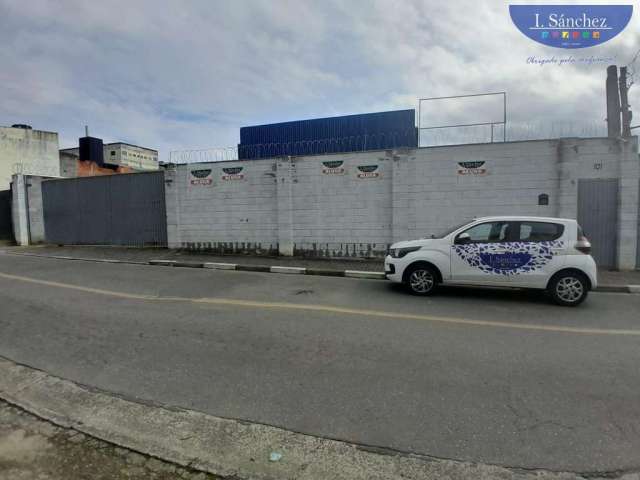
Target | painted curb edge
(325,272)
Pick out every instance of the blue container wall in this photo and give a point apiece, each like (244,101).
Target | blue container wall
(371,131)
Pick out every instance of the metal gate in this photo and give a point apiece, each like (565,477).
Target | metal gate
(598,216)
(6,228)
(123,209)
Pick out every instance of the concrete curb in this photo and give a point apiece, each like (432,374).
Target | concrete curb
(618,288)
(225,447)
(273,269)
(325,272)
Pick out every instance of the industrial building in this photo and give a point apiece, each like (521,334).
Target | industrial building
(119,154)
(28,151)
(348,133)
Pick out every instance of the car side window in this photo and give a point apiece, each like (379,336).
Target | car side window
(539,231)
(492,232)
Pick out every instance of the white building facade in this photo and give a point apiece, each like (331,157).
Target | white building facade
(29,152)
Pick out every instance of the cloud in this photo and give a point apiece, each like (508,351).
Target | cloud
(172,75)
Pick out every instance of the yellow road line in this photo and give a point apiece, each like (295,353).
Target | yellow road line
(326,309)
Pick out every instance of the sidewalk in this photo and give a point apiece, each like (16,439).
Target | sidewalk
(607,279)
(144,255)
(31,448)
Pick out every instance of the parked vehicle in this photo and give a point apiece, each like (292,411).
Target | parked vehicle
(526,252)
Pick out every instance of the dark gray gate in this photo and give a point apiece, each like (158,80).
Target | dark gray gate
(598,216)
(6,228)
(126,209)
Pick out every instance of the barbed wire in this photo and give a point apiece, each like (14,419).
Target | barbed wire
(207,155)
(356,143)
(516,131)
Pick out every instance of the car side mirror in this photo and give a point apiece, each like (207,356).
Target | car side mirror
(463,239)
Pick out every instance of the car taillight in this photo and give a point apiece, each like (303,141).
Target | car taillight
(583,245)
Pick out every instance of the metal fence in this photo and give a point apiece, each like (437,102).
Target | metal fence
(108,210)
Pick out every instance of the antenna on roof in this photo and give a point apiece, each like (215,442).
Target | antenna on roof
(86,130)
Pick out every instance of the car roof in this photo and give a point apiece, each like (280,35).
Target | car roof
(526,218)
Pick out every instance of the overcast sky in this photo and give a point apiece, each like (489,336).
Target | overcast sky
(188,74)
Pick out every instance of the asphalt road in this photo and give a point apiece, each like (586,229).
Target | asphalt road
(500,377)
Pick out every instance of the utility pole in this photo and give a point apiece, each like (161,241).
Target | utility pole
(613,102)
(624,100)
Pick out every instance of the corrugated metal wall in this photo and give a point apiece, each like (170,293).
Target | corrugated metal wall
(598,217)
(350,133)
(126,209)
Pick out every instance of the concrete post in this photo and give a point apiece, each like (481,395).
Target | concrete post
(402,203)
(20,210)
(286,175)
(568,160)
(629,196)
(173,191)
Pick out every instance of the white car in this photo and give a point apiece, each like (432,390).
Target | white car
(525,252)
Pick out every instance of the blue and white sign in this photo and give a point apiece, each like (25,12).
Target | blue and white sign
(571,26)
(508,258)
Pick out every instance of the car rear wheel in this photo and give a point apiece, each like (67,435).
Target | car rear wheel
(568,289)
(421,280)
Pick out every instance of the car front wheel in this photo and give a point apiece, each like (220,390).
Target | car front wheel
(568,289)
(421,280)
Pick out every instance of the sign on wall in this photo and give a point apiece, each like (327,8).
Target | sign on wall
(201,178)
(368,171)
(232,173)
(476,168)
(333,167)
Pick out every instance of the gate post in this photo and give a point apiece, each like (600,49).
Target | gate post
(20,209)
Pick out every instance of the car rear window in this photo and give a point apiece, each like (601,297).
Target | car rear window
(540,231)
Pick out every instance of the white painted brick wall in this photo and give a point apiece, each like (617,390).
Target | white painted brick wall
(241,213)
(292,204)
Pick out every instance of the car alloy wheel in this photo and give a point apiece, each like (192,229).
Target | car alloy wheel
(421,281)
(569,289)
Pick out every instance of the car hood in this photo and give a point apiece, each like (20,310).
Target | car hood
(423,242)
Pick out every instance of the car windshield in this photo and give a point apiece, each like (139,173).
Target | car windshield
(448,231)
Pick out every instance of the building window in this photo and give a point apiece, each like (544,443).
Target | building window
(113,153)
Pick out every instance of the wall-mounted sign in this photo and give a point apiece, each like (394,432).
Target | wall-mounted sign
(201,177)
(232,173)
(472,168)
(368,171)
(333,167)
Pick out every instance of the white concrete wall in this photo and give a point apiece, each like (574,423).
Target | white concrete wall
(234,212)
(30,152)
(27,209)
(297,206)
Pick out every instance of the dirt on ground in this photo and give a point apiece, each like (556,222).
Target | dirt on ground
(33,449)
